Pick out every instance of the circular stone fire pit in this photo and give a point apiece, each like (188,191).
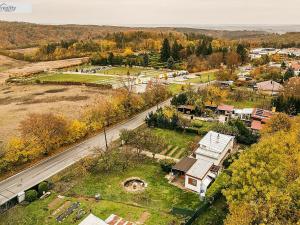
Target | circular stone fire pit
(134,184)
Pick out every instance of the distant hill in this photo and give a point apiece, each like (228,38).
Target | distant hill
(23,35)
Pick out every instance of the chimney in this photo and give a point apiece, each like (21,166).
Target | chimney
(218,138)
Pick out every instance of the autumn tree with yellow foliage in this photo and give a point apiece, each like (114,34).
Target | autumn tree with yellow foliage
(213,95)
(278,122)
(265,180)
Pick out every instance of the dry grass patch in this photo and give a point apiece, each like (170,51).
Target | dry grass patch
(34,68)
(17,101)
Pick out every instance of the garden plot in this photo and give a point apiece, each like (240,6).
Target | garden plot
(153,206)
(177,142)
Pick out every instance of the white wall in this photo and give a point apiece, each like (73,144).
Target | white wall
(205,182)
(222,155)
(191,187)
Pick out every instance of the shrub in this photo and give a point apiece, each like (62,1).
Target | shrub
(197,123)
(192,130)
(43,187)
(31,195)
(166,165)
(227,162)
(77,130)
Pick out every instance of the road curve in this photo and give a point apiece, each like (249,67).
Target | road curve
(10,187)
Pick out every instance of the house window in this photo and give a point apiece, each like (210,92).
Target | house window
(192,181)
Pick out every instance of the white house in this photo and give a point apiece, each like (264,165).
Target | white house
(200,171)
(214,147)
(196,178)
(243,114)
(290,51)
(259,52)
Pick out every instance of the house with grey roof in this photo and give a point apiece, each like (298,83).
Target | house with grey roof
(214,147)
(199,171)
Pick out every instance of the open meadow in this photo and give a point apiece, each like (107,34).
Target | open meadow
(7,63)
(17,101)
(39,67)
(202,78)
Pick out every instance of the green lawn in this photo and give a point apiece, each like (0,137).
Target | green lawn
(175,88)
(158,199)
(132,70)
(59,77)
(176,141)
(203,78)
(203,126)
(257,102)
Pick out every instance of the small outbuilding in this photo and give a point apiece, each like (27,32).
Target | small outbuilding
(187,109)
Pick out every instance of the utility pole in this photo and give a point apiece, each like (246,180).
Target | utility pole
(106,145)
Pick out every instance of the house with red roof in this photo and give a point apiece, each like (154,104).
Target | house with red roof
(225,112)
(295,65)
(259,118)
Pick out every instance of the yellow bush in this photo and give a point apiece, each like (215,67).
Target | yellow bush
(15,151)
(77,130)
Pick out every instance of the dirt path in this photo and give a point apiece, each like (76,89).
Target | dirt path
(143,218)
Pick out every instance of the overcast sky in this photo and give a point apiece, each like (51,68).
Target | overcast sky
(179,12)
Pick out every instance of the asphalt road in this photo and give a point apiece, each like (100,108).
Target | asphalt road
(32,176)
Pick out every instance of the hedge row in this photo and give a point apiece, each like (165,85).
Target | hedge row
(104,86)
(32,194)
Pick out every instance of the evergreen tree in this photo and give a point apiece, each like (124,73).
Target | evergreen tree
(209,49)
(145,60)
(288,74)
(189,50)
(170,62)
(241,50)
(110,58)
(165,51)
(200,48)
(175,51)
